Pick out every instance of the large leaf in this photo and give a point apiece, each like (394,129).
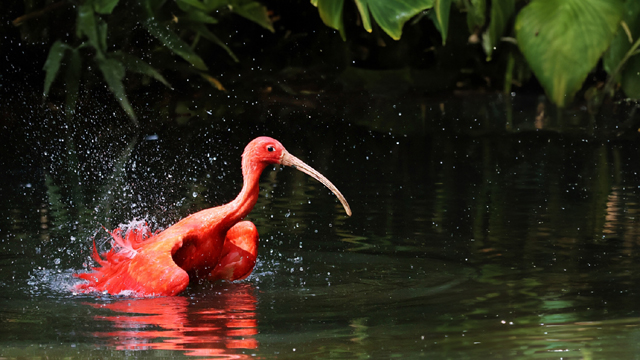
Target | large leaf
(331,14)
(390,15)
(475,14)
(52,65)
(101,27)
(113,72)
(501,12)
(198,16)
(197,10)
(195,3)
(253,11)
(104,6)
(563,40)
(363,9)
(215,4)
(623,40)
(86,24)
(172,41)
(442,8)
(631,78)
(134,64)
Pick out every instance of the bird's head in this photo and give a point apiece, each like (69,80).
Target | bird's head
(263,151)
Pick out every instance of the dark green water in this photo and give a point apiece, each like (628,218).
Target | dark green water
(477,233)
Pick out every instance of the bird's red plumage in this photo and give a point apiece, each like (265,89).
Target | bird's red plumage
(213,243)
(138,264)
(145,264)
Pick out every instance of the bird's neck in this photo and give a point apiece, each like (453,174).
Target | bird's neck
(242,205)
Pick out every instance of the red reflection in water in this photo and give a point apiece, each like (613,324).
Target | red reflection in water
(221,325)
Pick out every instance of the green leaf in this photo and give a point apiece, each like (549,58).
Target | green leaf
(389,15)
(254,11)
(132,63)
(101,28)
(392,15)
(104,6)
(72,79)
(563,40)
(215,4)
(52,64)
(475,14)
(442,9)
(631,78)
(363,9)
(331,14)
(113,72)
(204,31)
(621,43)
(501,12)
(195,3)
(152,6)
(172,41)
(198,16)
(86,24)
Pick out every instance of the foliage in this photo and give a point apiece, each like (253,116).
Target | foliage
(622,49)
(552,36)
(170,23)
(501,12)
(390,15)
(562,40)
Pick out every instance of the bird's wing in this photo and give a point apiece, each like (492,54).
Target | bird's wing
(141,264)
(239,253)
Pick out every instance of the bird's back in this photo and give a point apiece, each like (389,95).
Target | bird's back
(144,263)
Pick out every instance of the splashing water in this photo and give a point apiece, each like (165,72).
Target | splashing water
(54,282)
(120,241)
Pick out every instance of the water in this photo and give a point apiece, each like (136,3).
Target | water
(479,231)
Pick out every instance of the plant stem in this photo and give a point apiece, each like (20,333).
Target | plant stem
(34,14)
(632,51)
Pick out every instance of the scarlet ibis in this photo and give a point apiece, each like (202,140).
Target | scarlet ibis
(213,244)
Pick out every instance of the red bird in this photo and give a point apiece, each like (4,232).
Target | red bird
(212,244)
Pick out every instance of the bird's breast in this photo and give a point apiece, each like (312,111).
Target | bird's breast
(199,253)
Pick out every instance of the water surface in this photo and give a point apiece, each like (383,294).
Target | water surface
(514,238)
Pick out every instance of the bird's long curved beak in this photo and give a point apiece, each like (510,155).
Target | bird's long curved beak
(294,162)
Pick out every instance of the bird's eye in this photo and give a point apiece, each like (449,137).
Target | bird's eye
(270,148)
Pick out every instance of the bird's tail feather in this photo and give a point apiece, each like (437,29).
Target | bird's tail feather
(126,240)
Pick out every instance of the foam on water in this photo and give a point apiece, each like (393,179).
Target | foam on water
(55,282)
